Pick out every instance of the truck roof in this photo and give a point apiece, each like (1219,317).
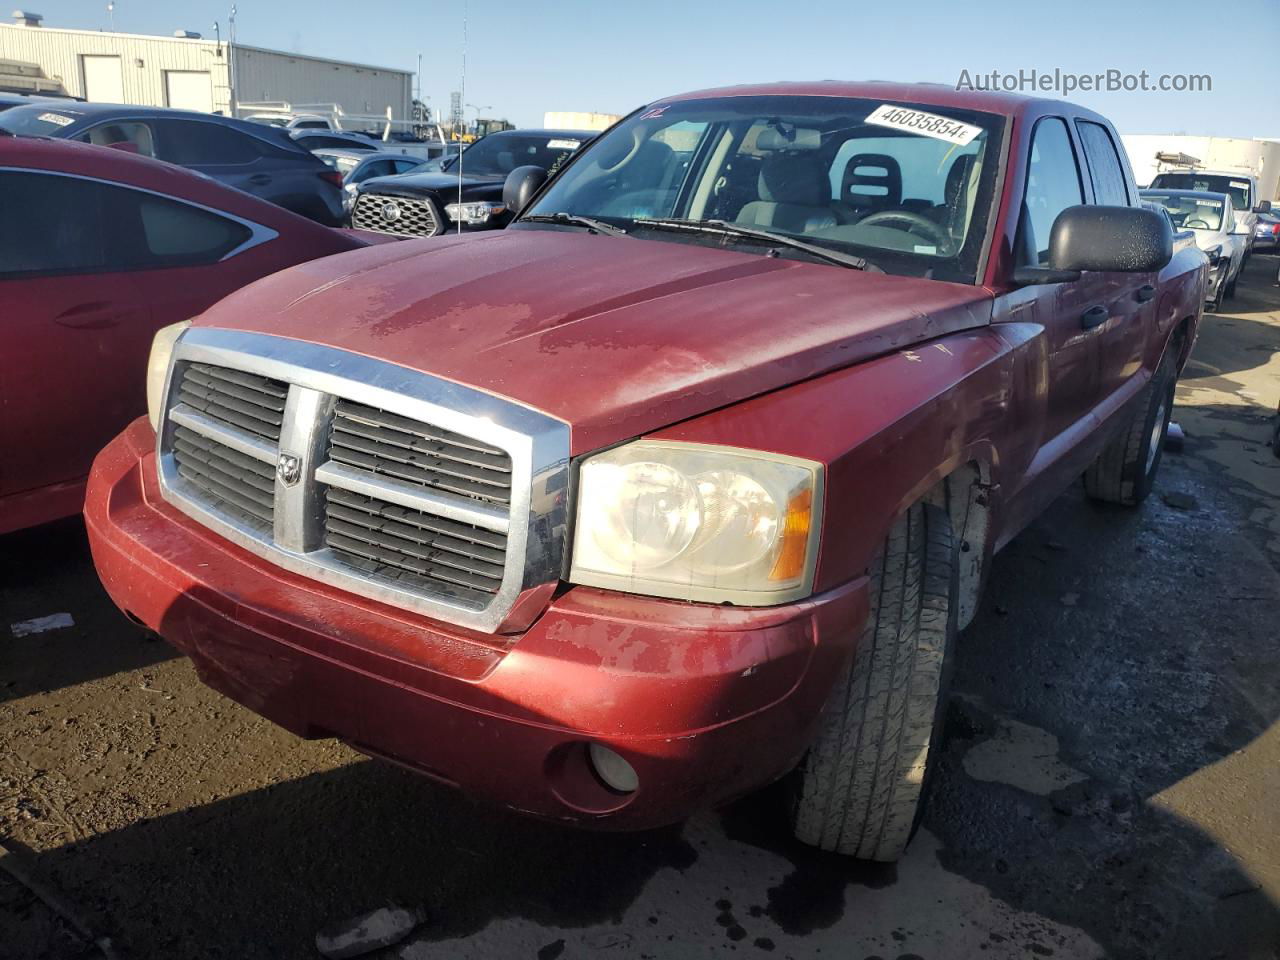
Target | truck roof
(936,94)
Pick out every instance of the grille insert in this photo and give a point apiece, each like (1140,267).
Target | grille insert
(416,218)
(413,548)
(435,498)
(238,485)
(386,444)
(243,400)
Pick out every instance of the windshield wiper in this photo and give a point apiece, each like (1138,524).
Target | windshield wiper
(726,229)
(573,220)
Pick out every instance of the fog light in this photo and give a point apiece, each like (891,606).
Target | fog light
(613,769)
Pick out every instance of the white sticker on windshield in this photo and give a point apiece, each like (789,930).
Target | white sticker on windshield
(1208,203)
(57,118)
(1242,184)
(563,144)
(925,124)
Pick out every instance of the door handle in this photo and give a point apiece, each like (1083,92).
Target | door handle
(1145,293)
(1094,317)
(89,316)
(260,179)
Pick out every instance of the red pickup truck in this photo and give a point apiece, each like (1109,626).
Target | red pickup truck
(684,481)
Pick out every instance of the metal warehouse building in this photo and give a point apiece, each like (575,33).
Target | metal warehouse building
(187,71)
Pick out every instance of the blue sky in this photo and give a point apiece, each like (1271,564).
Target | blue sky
(524,59)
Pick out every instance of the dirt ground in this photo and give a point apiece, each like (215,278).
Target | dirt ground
(1110,783)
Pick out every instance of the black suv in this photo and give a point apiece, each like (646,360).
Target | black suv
(258,159)
(427,204)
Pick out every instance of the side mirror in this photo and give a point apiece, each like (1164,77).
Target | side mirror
(1110,239)
(522,183)
(1263,207)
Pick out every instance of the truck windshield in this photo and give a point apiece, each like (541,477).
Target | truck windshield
(1236,189)
(908,187)
(499,154)
(1191,213)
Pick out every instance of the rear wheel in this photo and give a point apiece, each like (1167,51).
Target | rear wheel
(1126,469)
(860,787)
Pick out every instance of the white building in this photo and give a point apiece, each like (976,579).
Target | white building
(1228,154)
(188,71)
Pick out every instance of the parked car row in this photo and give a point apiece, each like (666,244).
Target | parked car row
(1241,188)
(465,191)
(258,159)
(1211,219)
(683,482)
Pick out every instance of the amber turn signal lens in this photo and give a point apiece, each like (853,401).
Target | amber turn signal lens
(795,537)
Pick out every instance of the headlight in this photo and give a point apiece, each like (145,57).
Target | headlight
(477,212)
(698,522)
(158,367)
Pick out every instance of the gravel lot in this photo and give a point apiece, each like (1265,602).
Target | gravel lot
(1110,783)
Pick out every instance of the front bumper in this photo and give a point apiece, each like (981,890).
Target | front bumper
(706,702)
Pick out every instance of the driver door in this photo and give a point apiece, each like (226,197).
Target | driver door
(1064,310)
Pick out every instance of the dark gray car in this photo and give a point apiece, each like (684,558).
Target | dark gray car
(255,158)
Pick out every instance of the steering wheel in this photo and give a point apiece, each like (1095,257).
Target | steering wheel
(926,226)
(1204,224)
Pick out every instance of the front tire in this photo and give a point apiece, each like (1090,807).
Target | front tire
(860,787)
(1125,471)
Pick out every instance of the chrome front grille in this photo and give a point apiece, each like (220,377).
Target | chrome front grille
(369,476)
(401,216)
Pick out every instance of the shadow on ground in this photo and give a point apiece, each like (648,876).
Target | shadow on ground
(45,571)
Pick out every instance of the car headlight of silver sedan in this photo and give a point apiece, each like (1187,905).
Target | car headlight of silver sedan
(698,522)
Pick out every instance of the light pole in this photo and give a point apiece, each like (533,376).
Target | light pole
(111,15)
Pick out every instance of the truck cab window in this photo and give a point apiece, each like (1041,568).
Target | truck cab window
(1053,183)
(1110,185)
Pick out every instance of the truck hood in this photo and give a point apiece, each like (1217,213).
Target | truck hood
(616,336)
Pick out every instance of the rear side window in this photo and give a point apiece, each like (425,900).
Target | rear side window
(375,168)
(175,233)
(1110,186)
(67,225)
(131,135)
(1053,182)
(192,143)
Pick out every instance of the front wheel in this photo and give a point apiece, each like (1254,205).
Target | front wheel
(1125,471)
(860,787)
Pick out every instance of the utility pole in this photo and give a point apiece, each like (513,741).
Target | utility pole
(231,62)
(462,97)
